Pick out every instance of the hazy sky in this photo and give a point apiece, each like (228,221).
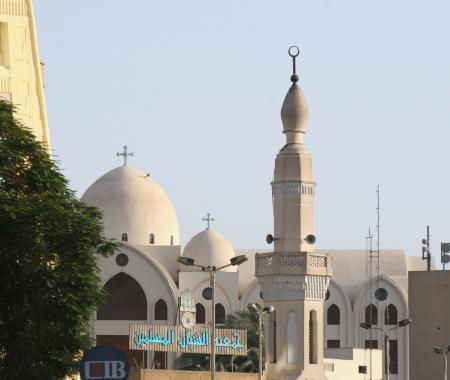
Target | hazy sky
(194,88)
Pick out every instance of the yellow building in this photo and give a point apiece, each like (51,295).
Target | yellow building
(21,77)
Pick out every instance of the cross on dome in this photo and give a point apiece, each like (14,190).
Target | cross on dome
(125,155)
(208,219)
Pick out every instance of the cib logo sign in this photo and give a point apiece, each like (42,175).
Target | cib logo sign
(104,362)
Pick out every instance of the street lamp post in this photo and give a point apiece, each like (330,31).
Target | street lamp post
(257,308)
(439,350)
(402,323)
(237,260)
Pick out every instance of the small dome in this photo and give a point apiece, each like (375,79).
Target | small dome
(135,205)
(294,113)
(209,248)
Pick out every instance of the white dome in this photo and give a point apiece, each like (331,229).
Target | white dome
(134,204)
(209,248)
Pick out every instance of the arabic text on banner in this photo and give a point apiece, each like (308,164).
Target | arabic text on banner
(178,339)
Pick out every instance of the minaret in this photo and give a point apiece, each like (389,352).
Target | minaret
(293,278)
(21,76)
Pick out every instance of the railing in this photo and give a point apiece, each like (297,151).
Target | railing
(291,263)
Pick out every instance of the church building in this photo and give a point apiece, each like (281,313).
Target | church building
(143,280)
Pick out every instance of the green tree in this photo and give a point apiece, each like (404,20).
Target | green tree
(49,278)
(243,320)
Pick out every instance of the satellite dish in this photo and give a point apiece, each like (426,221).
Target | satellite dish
(269,239)
(381,294)
(424,241)
(310,239)
(445,259)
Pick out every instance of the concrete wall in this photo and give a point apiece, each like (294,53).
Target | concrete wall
(343,364)
(429,307)
(154,374)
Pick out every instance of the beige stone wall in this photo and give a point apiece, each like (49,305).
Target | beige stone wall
(429,308)
(154,374)
(20,67)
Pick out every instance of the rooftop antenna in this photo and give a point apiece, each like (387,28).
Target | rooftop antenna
(376,253)
(426,252)
(368,297)
(373,276)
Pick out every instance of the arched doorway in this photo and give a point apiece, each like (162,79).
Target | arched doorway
(124,300)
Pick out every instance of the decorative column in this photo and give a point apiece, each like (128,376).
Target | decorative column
(293,278)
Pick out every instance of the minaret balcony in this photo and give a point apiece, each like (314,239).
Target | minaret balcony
(292,263)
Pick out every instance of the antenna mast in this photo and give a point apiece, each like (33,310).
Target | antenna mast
(372,274)
(368,297)
(375,254)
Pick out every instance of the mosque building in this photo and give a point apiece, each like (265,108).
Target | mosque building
(318,309)
(144,281)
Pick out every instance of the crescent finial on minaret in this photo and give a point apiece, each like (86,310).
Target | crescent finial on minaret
(294,112)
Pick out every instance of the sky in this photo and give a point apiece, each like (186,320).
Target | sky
(195,88)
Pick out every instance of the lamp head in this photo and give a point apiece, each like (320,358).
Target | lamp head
(238,260)
(269,309)
(254,307)
(438,350)
(405,322)
(366,326)
(185,261)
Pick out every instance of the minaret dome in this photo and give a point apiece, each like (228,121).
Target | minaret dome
(294,112)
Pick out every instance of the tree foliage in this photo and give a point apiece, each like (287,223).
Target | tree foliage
(49,278)
(243,320)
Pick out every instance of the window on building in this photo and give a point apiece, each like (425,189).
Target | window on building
(393,356)
(220,314)
(273,337)
(200,314)
(125,300)
(333,315)
(160,360)
(362,369)
(328,367)
(171,239)
(124,236)
(4,53)
(161,310)
(292,337)
(333,343)
(312,337)
(373,344)
(152,239)
(390,315)
(371,314)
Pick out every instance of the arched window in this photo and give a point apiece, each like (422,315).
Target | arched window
(160,311)
(390,315)
(125,300)
(292,338)
(371,314)
(333,315)
(171,239)
(124,236)
(152,239)
(273,337)
(220,313)
(200,317)
(312,337)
